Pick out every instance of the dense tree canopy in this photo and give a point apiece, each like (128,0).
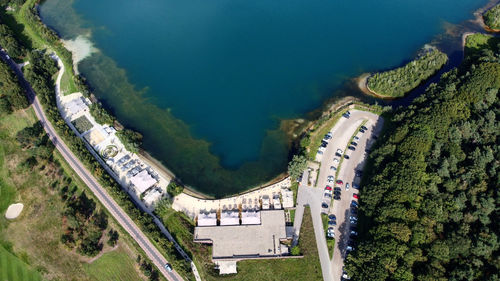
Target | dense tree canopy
(12,96)
(492,17)
(399,81)
(430,201)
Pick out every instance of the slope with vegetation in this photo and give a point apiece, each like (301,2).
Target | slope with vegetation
(40,41)
(430,203)
(397,82)
(492,18)
(60,224)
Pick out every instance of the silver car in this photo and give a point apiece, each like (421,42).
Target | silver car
(347,186)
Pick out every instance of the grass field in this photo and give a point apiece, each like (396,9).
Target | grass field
(115,265)
(35,235)
(14,269)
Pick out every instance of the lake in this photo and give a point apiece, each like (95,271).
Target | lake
(208,82)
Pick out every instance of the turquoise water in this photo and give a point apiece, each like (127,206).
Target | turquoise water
(208,82)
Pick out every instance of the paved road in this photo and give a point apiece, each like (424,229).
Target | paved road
(313,197)
(107,201)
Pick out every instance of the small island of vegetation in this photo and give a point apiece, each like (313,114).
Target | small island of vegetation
(492,18)
(397,82)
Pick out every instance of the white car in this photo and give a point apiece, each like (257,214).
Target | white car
(339,151)
(347,186)
(335,160)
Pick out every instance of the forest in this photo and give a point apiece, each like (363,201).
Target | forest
(492,17)
(430,198)
(397,82)
(12,96)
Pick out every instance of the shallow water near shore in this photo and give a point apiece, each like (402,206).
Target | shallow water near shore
(208,82)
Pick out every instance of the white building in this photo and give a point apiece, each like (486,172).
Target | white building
(152,197)
(207,219)
(230,217)
(250,217)
(142,182)
(287,196)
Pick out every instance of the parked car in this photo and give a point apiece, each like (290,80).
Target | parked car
(324,144)
(361,130)
(339,151)
(347,186)
(320,152)
(332,222)
(336,196)
(355,186)
(328,195)
(330,233)
(355,233)
(356,138)
(353,218)
(328,188)
(328,136)
(353,222)
(358,173)
(354,211)
(355,195)
(351,148)
(340,182)
(333,168)
(330,177)
(354,203)
(345,115)
(324,205)
(335,160)
(346,156)
(364,128)
(332,217)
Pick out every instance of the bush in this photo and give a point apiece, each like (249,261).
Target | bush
(174,189)
(295,251)
(131,140)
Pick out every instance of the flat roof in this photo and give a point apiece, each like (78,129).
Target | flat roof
(142,181)
(240,241)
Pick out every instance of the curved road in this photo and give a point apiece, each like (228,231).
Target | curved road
(101,194)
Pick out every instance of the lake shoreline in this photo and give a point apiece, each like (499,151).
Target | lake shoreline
(294,135)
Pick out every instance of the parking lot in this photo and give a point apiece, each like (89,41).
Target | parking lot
(322,199)
(346,187)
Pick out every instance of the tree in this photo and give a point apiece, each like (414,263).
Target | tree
(174,189)
(297,166)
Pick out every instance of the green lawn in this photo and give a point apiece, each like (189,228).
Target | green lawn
(13,269)
(115,265)
(330,243)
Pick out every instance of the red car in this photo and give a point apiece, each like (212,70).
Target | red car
(355,195)
(340,182)
(328,188)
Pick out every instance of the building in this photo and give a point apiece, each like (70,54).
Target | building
(230,217)
(237,242)
(287,197)
(250,216)
(142,182)
(152,197)
(207,218)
